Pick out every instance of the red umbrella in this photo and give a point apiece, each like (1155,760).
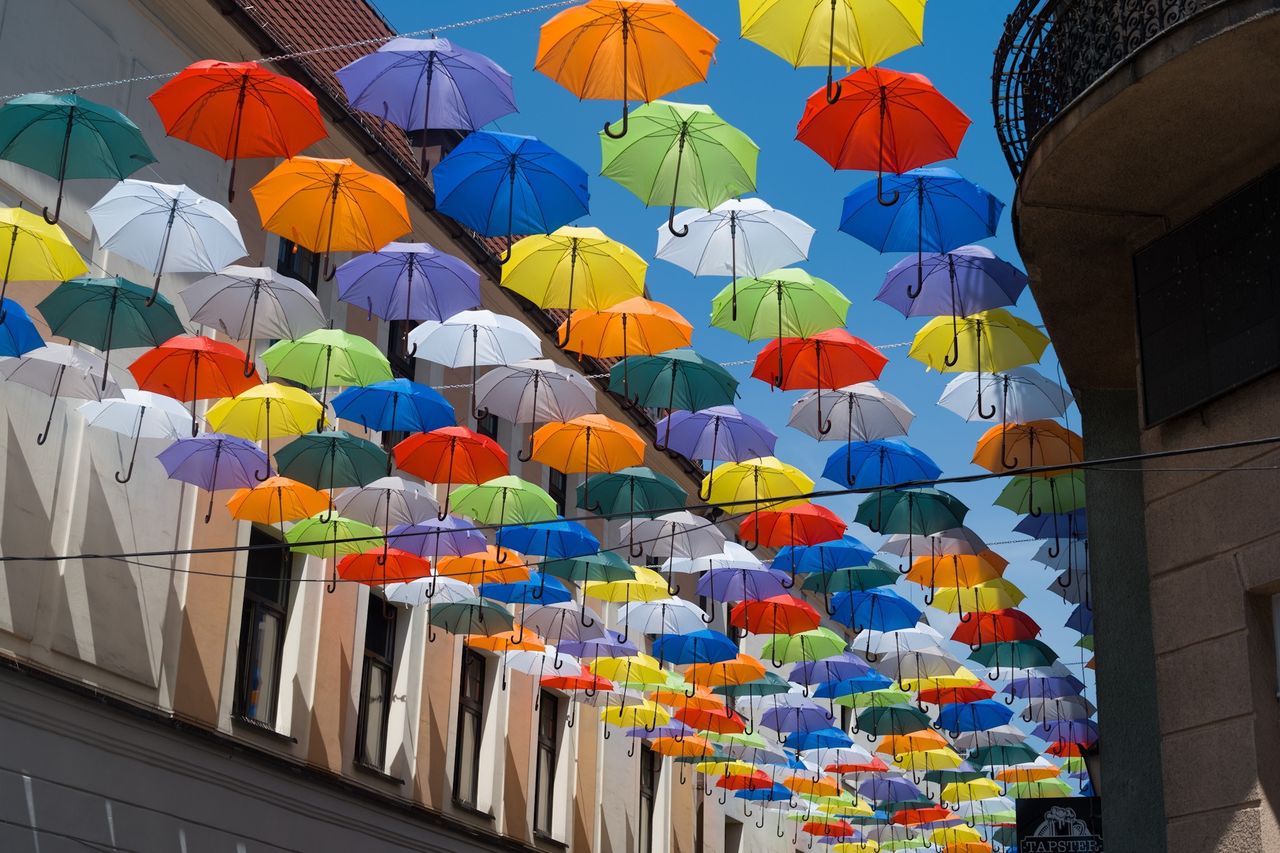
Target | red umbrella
(996,626)
(883,121)
(583,680)
(830,359)
(956,695)
(1065,749)
(753,781)
(806,524)
(829,828)
(875,765)
(375,567)
(719,720)
(193,368)
(915,817)
(451,455)
(781,614)
(239,109)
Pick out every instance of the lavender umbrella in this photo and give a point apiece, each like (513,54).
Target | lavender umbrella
(717,433)
(409,281)
(612,644)
(742,584)
(214,461)
(428,84)
(435,538)
(836,668)
(881,788)
(803,718)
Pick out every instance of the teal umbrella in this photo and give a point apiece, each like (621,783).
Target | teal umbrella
(68,137)
(633,491)
(109,312)
(329,460)
(675,379)
(469,616)
(919,512)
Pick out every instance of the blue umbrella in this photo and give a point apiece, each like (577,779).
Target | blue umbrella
(535,589)
(846,552)
(973,716)
(883,462)
(960,282)
(696,647)
(613,644)
(835,668)
(795,718)
(214,461)
(849,686)
(555,540)
(502,184)
(718,432)
(874,610)
(1081,619)
(1054,525)
(18,334)
(817,739)
(777,793)
(936,210)
(409,281)
(447,537)
(395,405)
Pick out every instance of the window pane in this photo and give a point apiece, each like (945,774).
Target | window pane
(373,714)
(380,629)
(465,778)
(262,676)
(267,569)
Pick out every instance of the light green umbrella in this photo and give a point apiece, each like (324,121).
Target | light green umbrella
(1037,493)
(874,699)
(786,303)
(680,154)
(326,535)
(808,645)
(1041,788)
(328,357)
(504,500)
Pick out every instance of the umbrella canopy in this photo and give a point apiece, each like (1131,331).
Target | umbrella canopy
(329,460)
(238,109)
(1037,493)
(996,626)
(959,282)
(379,566)
(18,334)
(212,462)
(502,184)
(328,357)
(777,615)
(587,443)
(554,540)
(860,412)
(676,379)
(389,502)
(438,537)
(266,411)
(1024,395)
(166,228)
(471,616)
(824,360)
(504,500)
(395,405)
(60,370)
(1035,444)
(989,341)
(276,500)
(663,616)
(917,511)
(66,137)
(409,281)
(533,390)
(874,610)
(473,338)
(766,479)
(715,433)
(193,368)
(630,491)
(883,462)
(330,206)
(680,155)
(451,455)
(32,249)
(635,326)
(139,414)
(702,646)
(330,535)
(803,524)
(782,303)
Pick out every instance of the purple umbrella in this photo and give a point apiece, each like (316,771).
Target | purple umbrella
(428,84)
(612,644)
(720,432)
(882,788)
(1043,687)
(1083,732)
(214,461)
(450,537)
(800,718)
(839,668)
(741,584)
(409,281)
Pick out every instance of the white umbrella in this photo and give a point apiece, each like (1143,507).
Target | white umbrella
(921,663)
(663,616)
(998,736)
(474,338)
(731,556)
(388,502)
(952,541)
(673,534)
(533,390)
(538,663)
(1025,395)
(61,370)
(166,228)
(1069,554)
(140,414)
(254,303)
(919,638)
(558,622)
(1047,710)
(740,236)
(436,589)
(859,412)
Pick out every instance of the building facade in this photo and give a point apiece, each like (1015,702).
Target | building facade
(1145,142)
(227,702)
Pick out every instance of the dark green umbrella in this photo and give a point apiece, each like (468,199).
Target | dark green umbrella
(857,579)
(68,137)
(675,379)
(605,566)
(892,720)
(634,491)
(329,460)
(921,512)
(1017,654)
(109,312)
(470,616)
(1002,755)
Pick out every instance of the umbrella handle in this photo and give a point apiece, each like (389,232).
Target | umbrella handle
(675,183)
(137,437)
(626,37)
(57,386)
(330,269)
(57,210)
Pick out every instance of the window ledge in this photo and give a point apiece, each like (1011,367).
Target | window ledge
(252,725)
(470,809)
(370,770)
(546,840)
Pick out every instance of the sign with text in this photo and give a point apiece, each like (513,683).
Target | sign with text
(1060,825)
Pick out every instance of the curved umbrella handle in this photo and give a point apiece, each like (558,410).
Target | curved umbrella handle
(137,437)
(885,200)
(330,270)
(48,424)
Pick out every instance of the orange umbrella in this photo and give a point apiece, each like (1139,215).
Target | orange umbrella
(588,444)
(918,741)
(826,787)
(239,109)
(484,567)
(624,50)
(635,326)
(689,746)
(277,499)
(1034,444)
(739,670)
(383,565)
(702,698)
(956,570)
(331,206)
(515,640)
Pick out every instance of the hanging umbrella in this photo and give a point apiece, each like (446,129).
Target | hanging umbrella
(388,503)
(409,281)
(635,326)
(918,511)
(778,615)
(68,137)
(996,626)
(107,313)
(647,585)
(471,616)
(330,535)
(882,120)
(1037,493)
(624,50)
(238,109)
(744,235)
(883,462)
(956,540)
(474,338)
(955,283)
(860,412)
(34,250)
(139,414)
(801,525)
(482,568)
(785,302)
(681,154)
(330,206)
(428,84)
(753,481)
(678,534)
(192,368)
(701,646)
(265,412)
(829,359)
(715,433)
(379,566)
(1039,443)
(630,492)
(60,370)
(663,616)
(550,270)
(395,405)
(500,184)
(555,540)
(254,303)
(874,610)
(998,594)
(567,446)
(214,462)
(504,500)
(952,571)
(676,379)
(534,390)
(451,455)
(1025,395)
(276,500)
(328,357)
(18,335)
(329,460)
(823,557)
(439,537)
(166,228)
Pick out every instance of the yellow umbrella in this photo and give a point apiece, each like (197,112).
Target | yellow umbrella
(930,759)
(867,846)
(633,669)
(765,483)
(821,788)
(844,806)
(647,715)
(573,268)
(266,411)
(962,677)
(995,594)
(975,789)
(647,585)
(988,341)
(33,250)
(842,32)
(958,834)
(725,768)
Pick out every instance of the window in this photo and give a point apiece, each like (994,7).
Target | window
(376,683)
(544,780)
(398,348)
(558,488)
(297,262)
(732,836)
(650,773)
(466,761)
(488,425)
(262,625)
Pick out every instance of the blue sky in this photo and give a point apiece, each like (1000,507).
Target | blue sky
(761,94)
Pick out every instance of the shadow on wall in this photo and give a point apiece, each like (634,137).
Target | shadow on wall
(25,528)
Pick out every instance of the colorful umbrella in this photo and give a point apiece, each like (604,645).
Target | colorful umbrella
(782,614)
(327,534)
(238,109)
(803,524)
(829,359)
(883,462)
(34,250)
(633,326)
(139,414)
(567,446)
(18,335)
(955,283)
(409,281)
(474,338)
(379,566)
(1025,395)
(753,481)
(718,432)
(331,459)
(785,302)
(192,368)
(676,379)
(921,511)
(470,616)
(276,500)
(328,357)
(213,462)
(265,412)
(395,405)
(504,500)
(388,502)
(451,455)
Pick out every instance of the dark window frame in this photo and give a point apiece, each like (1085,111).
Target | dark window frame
(488,426)
(472,675)
(650,781)
(255,605)
(558,488)
(380,656)
(547,757)
(299,263)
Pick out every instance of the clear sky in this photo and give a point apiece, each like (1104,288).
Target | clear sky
(761,94)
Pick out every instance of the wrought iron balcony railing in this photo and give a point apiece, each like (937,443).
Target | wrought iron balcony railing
(1052,50)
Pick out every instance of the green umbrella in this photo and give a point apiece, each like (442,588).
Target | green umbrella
(675,379)
(328,460)
(772,684)
(470,616)
(1035,494)
(327,357)
(859,579)
(816,644)
(680,154)
(786,303)
(66,136)
(634,491)
(875,699)
(892,720)
(109,312)
(504,500)
(921,512)
(1016,654)
(605,566)
(1003,755)
(953,774)
(326,534)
